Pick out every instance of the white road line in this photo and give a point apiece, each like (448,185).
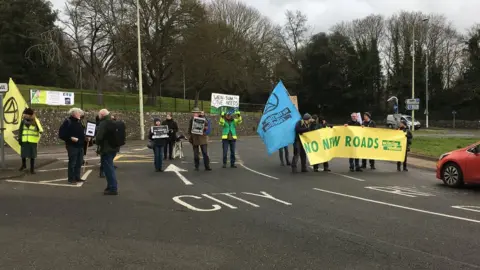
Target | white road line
(259,173)
(399,206)
(86,174)
(140,149)
(62,169)
(349,177)
(47,184)
(55,180)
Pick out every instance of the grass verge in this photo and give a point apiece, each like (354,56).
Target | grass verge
(434,147)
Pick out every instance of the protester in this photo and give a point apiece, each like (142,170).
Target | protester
(229,136)
(281,151)
(301,127)
(354,166)
(199,142)
(28,138)
(88,141)
(172,136)
(403,127)
(108,147)
(319,123)
(157,145)
(368,122)
(72,133)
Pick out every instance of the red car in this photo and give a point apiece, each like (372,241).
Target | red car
(460,166)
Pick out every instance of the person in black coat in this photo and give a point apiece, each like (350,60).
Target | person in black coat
(354,163)
(319,123)
(403,127)
(72,132)
(157,146)
(368,122)
(172,136)
(301,127)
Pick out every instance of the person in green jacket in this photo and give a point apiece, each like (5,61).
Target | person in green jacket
(229,135)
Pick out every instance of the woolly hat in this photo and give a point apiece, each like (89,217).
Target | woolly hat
(368,114)
(28,111)
(307,116)
(155,120)
(196,110)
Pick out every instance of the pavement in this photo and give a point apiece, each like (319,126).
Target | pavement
(257,216)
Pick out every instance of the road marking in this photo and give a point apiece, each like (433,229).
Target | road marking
(62,169)
(56,180)
(259,173)
(44,183)
(268,196)
(349,177)
(140,149)
(230,194)
(178,200)
(398,206)
(86,159)
(117,157)
(86,174)
(217,200)
(134,161)
(177,170)
(468,208)
(188,162)
(404,191)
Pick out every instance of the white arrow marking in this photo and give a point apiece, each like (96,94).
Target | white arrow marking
(177,170)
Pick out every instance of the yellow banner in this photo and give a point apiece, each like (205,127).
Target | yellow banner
(13,106)
(354,142)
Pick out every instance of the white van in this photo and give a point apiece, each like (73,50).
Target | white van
(393,121)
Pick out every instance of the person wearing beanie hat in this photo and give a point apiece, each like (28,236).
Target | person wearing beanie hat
(28,138)
(368,122)
(404,127)
(318,123)
(354,162)
(301,127)
(157,143)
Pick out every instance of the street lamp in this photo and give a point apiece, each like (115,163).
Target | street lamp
(140,82)
(396,102)
(413,71)
(426,87)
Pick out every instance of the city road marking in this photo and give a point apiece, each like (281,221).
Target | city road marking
(398,206)
(404,191)
(117,157)
(44,183)
(86,174)
(62,169)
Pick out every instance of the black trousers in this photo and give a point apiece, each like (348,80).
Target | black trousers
(371,161)
(317,166)
(299,151)
(168,148)
(404,163)
(283,151)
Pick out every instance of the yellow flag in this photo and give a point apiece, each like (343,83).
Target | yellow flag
(354,142)
(13,106)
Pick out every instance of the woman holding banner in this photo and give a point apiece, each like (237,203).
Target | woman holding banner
(158,141)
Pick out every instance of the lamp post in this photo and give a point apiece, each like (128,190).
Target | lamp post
(140,82)
(413,72)
(426,76)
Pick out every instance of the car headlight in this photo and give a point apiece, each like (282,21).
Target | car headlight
(443,156)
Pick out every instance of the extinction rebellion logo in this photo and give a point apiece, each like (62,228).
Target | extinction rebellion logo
(274,119)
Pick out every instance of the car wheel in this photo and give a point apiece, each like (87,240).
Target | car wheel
(389,126)
(452,175)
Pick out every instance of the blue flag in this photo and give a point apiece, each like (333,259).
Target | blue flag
(277,125)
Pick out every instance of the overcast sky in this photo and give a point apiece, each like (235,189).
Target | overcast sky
(322,14)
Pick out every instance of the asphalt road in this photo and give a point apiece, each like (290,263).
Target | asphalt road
(258,216)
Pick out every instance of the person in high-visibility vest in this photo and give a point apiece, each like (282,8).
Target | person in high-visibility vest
(28,138)
(229,136)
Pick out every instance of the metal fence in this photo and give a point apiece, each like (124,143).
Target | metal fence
(128,102)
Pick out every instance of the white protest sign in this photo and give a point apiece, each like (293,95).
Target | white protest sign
(198,125)
(221,100)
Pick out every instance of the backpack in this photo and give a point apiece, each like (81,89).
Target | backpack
(116,134)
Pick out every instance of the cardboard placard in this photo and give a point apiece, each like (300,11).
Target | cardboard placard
(198,125)
(160,132)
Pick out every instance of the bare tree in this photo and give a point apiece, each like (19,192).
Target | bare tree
(293,36)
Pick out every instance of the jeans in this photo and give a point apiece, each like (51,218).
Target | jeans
(281,151)
(353,165)
(109,170)
(225,145)
(169,148)
(75,161)
(157,156)
(196,155)
(299,151)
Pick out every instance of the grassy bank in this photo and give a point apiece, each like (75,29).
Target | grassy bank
(435,146)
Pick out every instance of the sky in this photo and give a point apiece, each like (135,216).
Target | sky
(323,14)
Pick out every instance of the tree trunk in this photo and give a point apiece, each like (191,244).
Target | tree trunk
(197,97)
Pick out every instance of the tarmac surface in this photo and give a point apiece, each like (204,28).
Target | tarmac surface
(257,216)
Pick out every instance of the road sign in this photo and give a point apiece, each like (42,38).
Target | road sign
(412,101)
(3,87)
(413,107)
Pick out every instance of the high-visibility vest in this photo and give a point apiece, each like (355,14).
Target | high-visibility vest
(31,134)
